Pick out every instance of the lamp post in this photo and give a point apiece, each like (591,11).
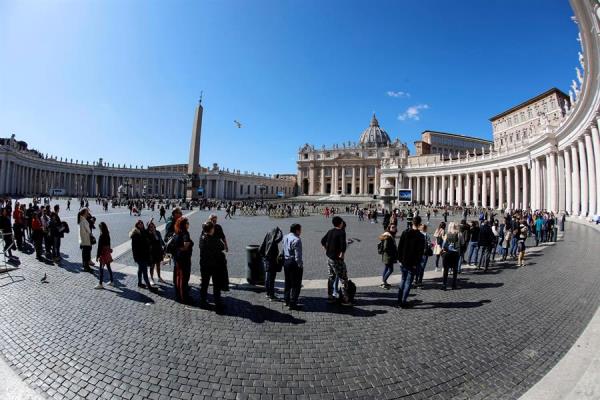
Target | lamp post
(127,185)
(185,181)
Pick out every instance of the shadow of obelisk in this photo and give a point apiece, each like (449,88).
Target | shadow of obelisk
(194,160)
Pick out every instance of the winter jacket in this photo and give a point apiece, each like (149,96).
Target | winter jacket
(390,251)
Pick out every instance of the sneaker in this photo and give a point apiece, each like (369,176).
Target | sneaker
(346,303)
(383,285)
(92,263)
(152,283)
(141,286)
(111,283)
(331,299)
(99,286)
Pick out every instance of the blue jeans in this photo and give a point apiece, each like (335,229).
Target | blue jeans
(421,270)
(407,279)
(513,247)
(387,272)
(473,248)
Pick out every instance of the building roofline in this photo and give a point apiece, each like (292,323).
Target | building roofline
(455,135)
(527,102)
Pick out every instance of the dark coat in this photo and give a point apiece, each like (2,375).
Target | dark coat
(140,246)
(213,261)
(486,236)
(390,251)
(269,248)
(411,248)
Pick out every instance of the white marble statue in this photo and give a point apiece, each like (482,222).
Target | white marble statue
(579,75)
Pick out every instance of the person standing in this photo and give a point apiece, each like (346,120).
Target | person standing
(521,243)
(334,243)
(426,253)
(162,213)
(140,247)
(157,252)
(85,239)
(389,254)
(438,237)
(451,254)
(292,266)
(269,251)
(410,250)
(183,260)
(486,241)
(473,248)
(219,234)
(6,227)
(37,235)
(212,265)
(56,231)
(104,255)
(18,225)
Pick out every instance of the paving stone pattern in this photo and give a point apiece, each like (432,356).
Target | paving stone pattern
(493,338)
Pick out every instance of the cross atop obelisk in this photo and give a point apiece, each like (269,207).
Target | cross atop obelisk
(194,160)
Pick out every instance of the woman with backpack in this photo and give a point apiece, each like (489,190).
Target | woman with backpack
(438,237)
(104,255)
(389,253)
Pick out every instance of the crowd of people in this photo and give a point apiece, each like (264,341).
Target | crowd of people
(487,238)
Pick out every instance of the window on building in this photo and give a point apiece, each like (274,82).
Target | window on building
(327,155)
(305,156)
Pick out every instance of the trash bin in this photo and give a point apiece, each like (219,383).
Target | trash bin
(255,273)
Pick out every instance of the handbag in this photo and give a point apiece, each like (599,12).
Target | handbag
(92,239)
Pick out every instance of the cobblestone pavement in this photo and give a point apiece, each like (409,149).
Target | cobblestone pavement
(493,338)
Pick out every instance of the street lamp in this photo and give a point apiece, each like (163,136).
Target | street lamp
(185,181)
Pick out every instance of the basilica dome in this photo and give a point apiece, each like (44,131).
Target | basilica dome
(374,135)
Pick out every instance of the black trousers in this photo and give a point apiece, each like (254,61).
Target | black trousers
(206,275)
(293,282)
(450,261)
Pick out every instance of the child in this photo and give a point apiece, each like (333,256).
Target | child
(104,256)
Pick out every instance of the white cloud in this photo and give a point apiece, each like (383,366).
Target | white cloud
(413,112)
(391,93)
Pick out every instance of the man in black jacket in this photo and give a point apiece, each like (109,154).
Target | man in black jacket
(334,243)
(410,253)
(486,242)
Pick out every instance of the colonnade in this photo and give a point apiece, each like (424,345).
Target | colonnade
(560,177)
(22,178)
(343,179)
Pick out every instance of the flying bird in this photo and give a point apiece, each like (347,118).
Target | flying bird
(238,123)
(44,279)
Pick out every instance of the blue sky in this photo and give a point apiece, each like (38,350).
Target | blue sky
(120,79)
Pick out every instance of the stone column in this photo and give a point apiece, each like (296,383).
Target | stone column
(553,181)
(484,190)
(444,191)
(576,181)
(568,184)
(501,197)
(476,189)
(451,190)
(596,142)
(343,180)
(591,171)
(583,174)
(561,182)
(322,191)
(459,190)
(468,185)
(525,187)
(418,196)
(509,197)
(435,190)
(427,198)
(517,188)
(493,189)
(333,189)
(311,180)
(361,180)
(353,181)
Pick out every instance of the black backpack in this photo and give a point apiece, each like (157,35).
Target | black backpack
(351,291)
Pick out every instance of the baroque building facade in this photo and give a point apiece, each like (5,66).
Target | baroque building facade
(349,169)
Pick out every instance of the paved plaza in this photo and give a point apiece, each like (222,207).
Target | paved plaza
(494,337)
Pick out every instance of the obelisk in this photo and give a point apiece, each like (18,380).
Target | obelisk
(194,160)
